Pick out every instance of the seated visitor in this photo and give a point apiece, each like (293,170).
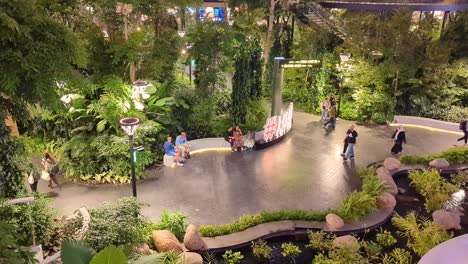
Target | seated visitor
(238,130)
(182,144)
(237,142)
(249,141)
(229,136)
(171,151)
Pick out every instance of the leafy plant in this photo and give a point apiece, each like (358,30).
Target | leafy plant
(357,205)
(341,255)
(245,222)
(434,188)
(118,223)
(320,241)
(397,256)
(422,234)
(10,250)
(232,257)
(456,155)
(35,217)
(175,222)
(261,250)
(371,249)
(385,238)
(290,250)
(11,178)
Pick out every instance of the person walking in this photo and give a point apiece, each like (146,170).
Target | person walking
(400,137)
(332,120)
(463,127)
(325,106)
(352,135)
(345,146)
(51,169)
(32,177)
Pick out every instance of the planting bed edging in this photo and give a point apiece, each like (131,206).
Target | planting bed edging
(292,227)
(295,227)
(426,123)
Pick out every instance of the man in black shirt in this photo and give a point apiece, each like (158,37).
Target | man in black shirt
(229,136)
(351,136)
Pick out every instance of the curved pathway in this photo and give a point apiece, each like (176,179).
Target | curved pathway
(303,171)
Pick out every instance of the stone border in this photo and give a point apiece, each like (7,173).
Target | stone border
(426,123)
(295,227)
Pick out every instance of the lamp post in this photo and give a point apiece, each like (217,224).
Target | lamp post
(129,125)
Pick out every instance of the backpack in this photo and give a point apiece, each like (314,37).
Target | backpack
(463,125)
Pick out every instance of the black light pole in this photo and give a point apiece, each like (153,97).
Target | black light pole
(129,125)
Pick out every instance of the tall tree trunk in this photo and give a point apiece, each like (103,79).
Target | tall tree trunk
(271,19)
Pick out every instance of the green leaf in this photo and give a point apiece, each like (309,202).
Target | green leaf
(101,125)
(110,255)
(151,259)
(76,252)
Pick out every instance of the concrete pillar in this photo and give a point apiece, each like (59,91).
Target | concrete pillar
(277,103)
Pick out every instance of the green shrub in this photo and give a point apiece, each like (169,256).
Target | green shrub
(232,257)
(371,249)
(451,114)
(11,178)
(290,250)
(357,205)
(385,238)
(175,222)
(118,223)
(261,250)
(35,217)
(10,249)
(245,222)
(102,159)
(320,241)
(456,155)
(434,188)
(340,256)
(398,256)
(422,234)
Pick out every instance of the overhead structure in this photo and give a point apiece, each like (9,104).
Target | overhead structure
(383,5)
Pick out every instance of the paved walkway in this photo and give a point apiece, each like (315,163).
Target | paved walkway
(304,171)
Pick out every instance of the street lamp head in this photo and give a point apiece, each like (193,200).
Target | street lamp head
(129,125)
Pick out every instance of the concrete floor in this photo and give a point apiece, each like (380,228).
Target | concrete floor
(304,171)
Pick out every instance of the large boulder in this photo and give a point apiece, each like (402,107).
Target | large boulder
(386,200)
(190,258)
(448,219)
(193,240)
(382,172)
(165,241)
(439,163)
(387,180)
(391,164)
(334,222)
(346,241)
(144,249)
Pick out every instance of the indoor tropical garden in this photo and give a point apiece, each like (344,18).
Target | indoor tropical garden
(235,131)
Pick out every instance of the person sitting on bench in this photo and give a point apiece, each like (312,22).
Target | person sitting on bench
(171,151)
(182,145)
(238,144)
(229,136)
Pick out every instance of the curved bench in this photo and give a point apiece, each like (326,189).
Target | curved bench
(414,121)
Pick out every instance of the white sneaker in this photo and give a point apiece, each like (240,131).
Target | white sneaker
(180,164)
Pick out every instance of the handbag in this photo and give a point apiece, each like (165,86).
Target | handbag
(31,179)
(45,175)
